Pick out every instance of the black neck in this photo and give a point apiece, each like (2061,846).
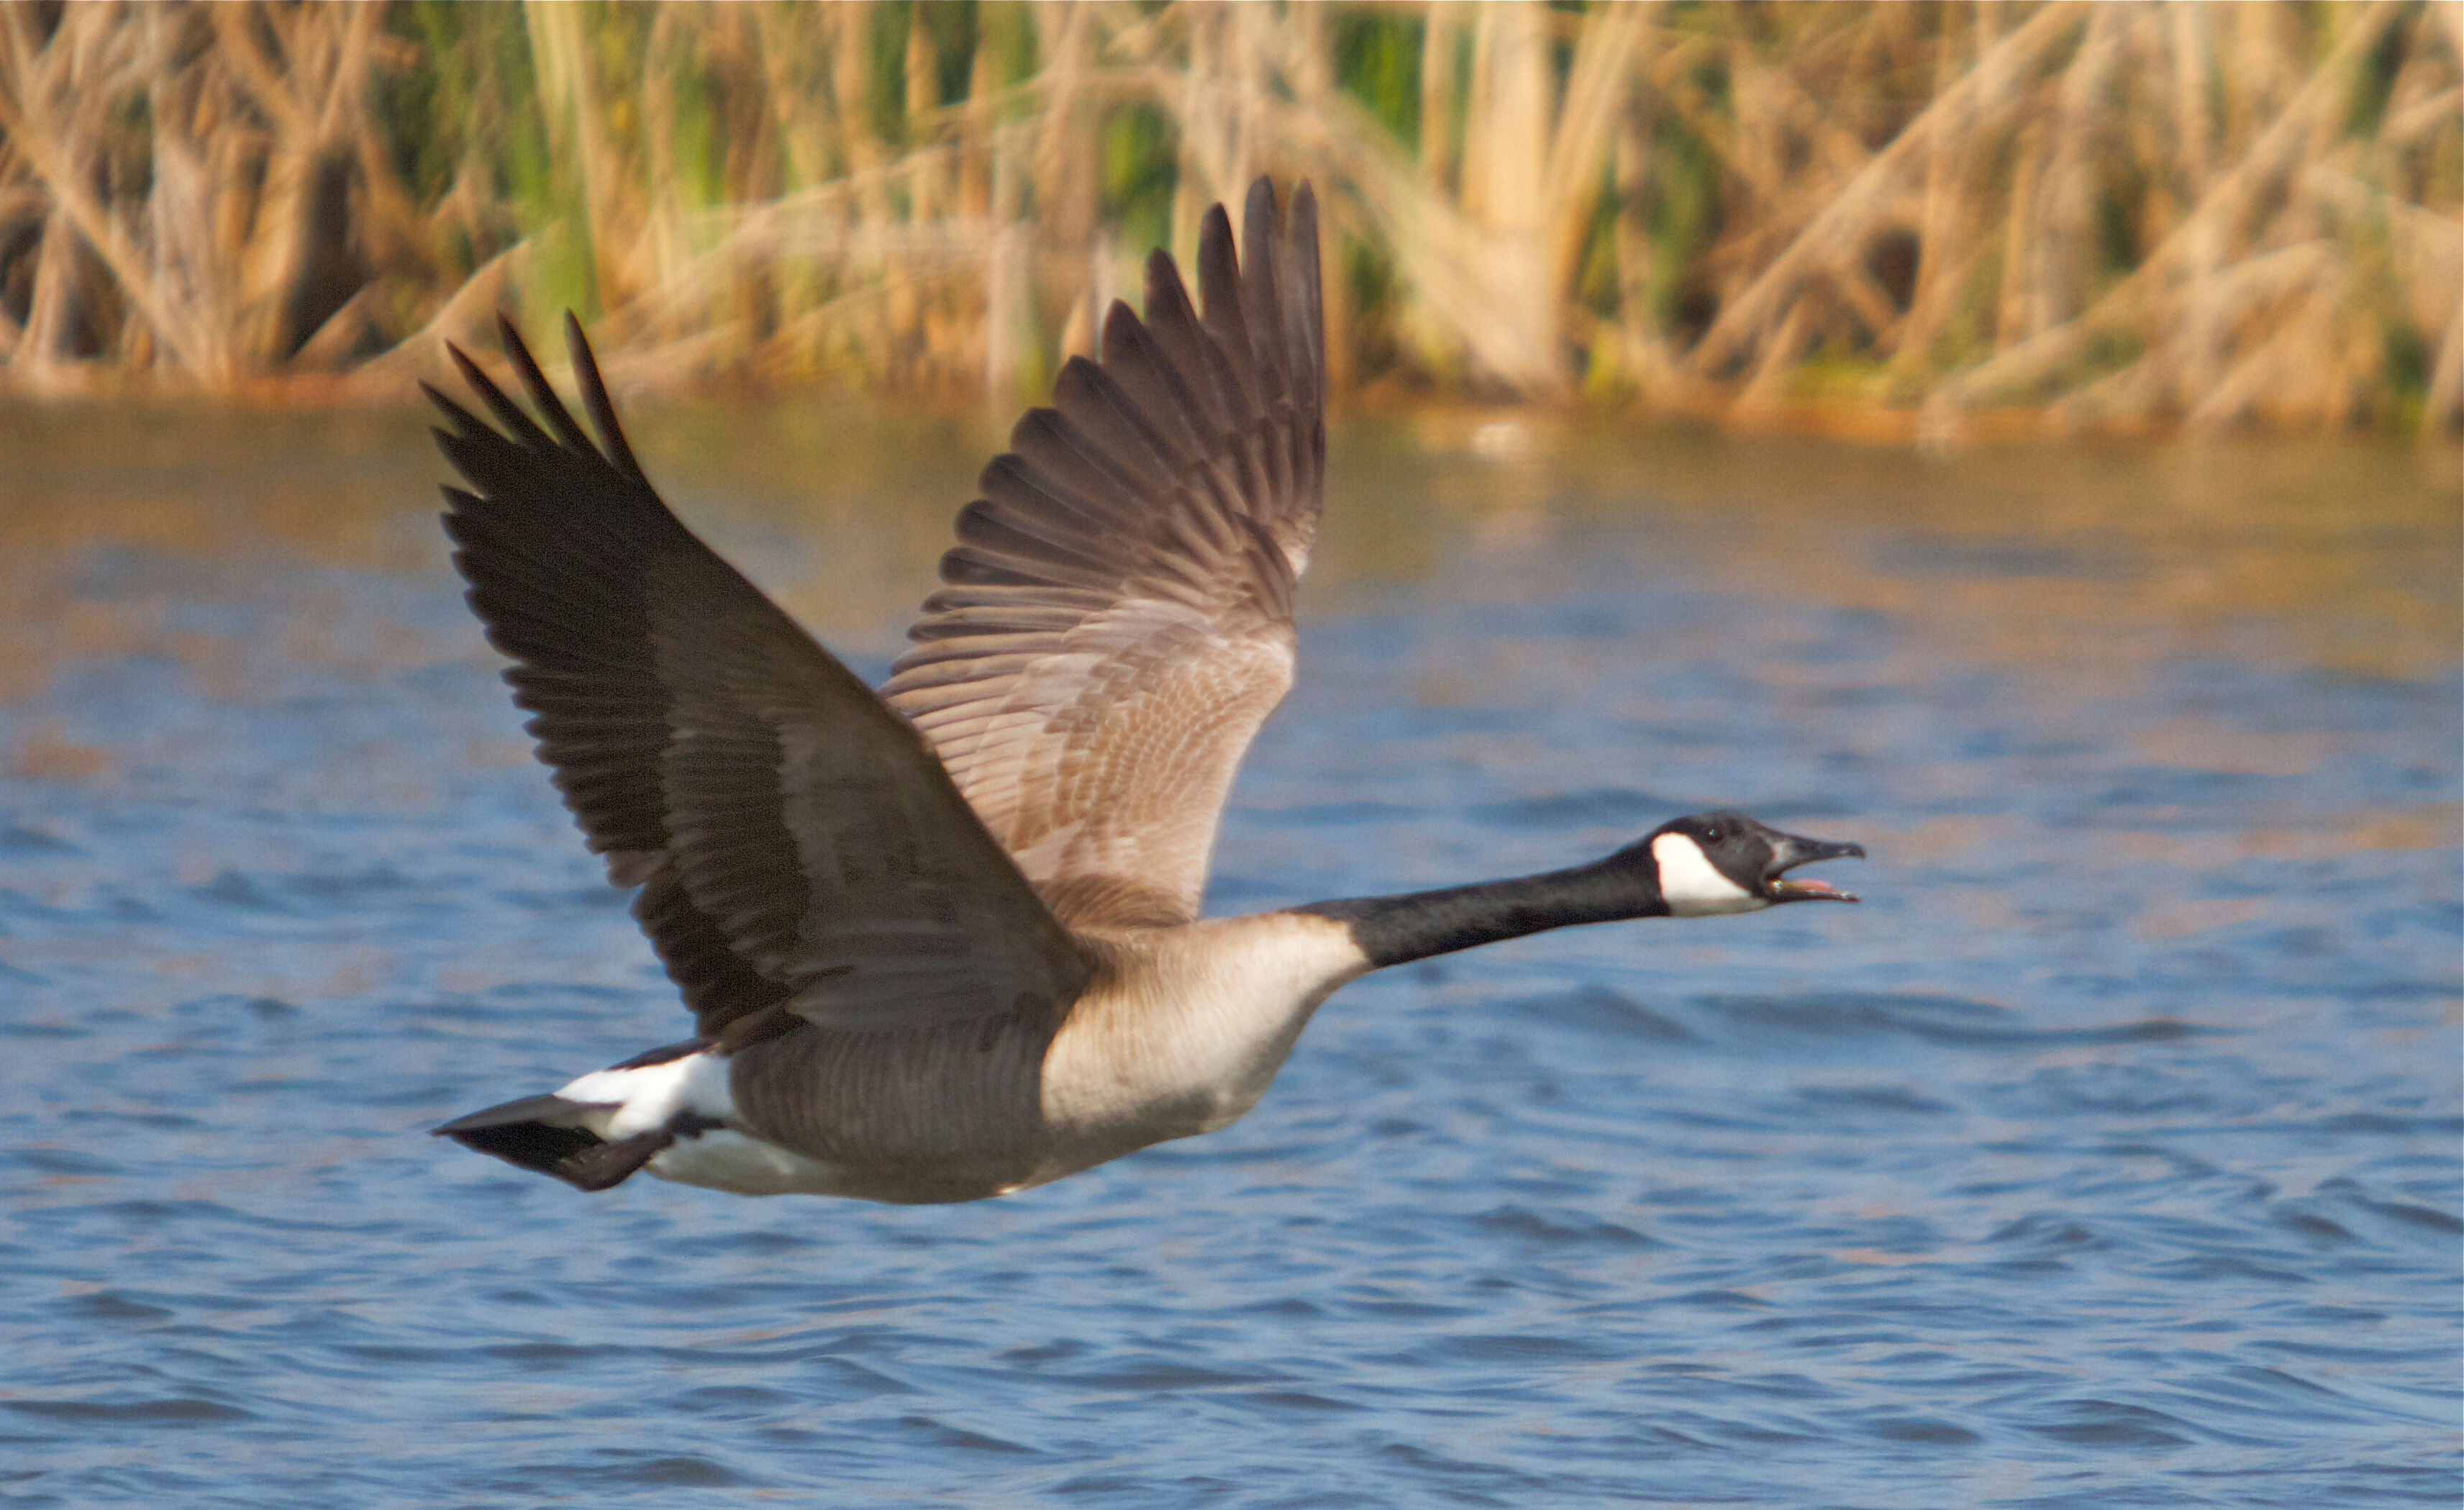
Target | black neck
(1419,924)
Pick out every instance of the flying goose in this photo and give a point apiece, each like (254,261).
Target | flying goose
(943,942)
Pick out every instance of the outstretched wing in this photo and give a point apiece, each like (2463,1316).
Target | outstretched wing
(797,845)
(1118,616)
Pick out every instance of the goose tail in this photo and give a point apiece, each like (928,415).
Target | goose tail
(544,1133)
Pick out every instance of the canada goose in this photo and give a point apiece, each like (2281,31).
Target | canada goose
(943,942)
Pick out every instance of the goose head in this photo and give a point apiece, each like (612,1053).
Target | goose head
(1713,862)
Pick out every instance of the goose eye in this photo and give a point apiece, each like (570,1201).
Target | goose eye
(1711,834)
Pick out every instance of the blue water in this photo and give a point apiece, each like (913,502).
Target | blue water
(2106,1156)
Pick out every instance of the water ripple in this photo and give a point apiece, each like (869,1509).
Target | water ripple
(2105,1156)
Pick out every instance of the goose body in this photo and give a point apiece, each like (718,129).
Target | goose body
(943,942)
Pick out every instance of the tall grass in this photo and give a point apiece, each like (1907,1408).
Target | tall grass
(2133,215)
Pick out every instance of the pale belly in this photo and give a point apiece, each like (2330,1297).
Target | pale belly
(727,1160)
(740,1162)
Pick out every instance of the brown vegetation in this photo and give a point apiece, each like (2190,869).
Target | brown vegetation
(2105,215)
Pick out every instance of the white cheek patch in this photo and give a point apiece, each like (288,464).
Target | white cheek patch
(1692,885)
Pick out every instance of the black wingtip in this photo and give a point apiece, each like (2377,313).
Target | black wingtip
(519,426)
(1300,235)
(1216,266)
(444,406)
(542,393)
(1077,370)
(1305,299)
(469,368)
(595,401)
(1260,207)
(1262,291)
(1167,297)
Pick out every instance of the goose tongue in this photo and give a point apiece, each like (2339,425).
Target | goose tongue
(1810,891)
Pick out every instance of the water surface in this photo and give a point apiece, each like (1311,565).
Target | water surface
(2106,1156)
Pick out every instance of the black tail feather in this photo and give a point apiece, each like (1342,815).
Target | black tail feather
(506,1114)
(525,1133)
(608,1163)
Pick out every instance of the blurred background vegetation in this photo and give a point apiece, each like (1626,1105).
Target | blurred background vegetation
(1914,218)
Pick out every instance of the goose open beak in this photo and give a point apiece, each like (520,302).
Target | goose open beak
(1791,850)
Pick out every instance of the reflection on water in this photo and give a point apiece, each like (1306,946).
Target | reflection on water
(2107,1154)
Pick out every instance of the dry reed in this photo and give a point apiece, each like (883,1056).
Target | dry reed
(2158,212)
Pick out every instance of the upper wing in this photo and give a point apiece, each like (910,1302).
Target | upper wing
(797,844)
(1119,618)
